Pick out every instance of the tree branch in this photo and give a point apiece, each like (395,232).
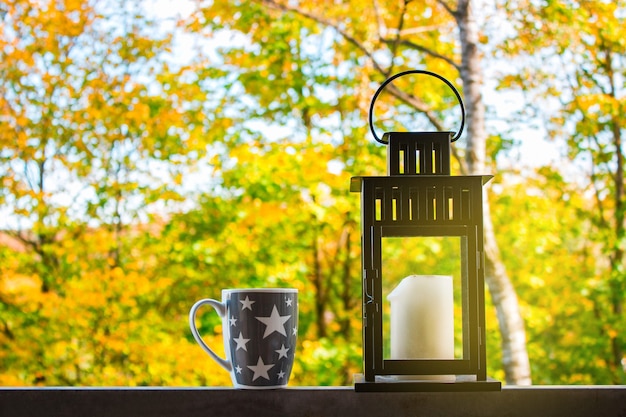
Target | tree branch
(416,103)
(379,20)
(397,41)
(449,9)
(427,51)
(326,22)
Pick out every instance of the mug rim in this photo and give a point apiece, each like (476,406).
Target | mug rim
(267,290)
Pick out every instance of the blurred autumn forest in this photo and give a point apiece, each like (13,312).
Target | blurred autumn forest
(155,152)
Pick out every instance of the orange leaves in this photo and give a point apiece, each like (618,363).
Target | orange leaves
(92,328)
(20,289)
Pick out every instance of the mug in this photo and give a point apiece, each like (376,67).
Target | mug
(260,328)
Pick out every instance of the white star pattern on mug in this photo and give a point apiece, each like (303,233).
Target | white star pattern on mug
(275,323)
(282,352)
(247,303)
(260,369)
(241,342)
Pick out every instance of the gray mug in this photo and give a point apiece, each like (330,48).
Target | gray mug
(260,328)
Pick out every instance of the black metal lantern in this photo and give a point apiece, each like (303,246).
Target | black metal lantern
(419,199)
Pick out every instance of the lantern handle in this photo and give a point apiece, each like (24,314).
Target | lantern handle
(400,74)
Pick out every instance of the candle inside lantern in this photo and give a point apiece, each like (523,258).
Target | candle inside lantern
(422,320)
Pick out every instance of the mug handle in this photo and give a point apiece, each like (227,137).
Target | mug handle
(220,308)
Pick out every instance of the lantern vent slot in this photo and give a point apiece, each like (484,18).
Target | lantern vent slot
(412,204)
(396,209)
(417,162)
(464,208)
(450,209)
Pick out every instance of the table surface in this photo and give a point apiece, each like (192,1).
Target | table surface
(535,401)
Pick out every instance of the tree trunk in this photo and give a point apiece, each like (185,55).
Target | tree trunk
(318,283)
(514,355)
(616,280)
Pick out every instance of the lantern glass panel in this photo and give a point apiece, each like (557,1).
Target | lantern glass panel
(430,256)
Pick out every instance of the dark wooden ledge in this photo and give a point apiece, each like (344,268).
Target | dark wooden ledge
(536,401)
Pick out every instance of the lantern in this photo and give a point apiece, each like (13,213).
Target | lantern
(427,333)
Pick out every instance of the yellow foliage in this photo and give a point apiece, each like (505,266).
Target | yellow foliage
(19,288)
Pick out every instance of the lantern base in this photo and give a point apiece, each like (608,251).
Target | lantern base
(462,383)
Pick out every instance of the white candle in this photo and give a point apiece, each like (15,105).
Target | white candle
(422,320)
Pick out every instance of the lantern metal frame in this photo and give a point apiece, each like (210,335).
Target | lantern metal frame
(419,198)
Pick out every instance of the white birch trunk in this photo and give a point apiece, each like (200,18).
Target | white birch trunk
(514,355)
